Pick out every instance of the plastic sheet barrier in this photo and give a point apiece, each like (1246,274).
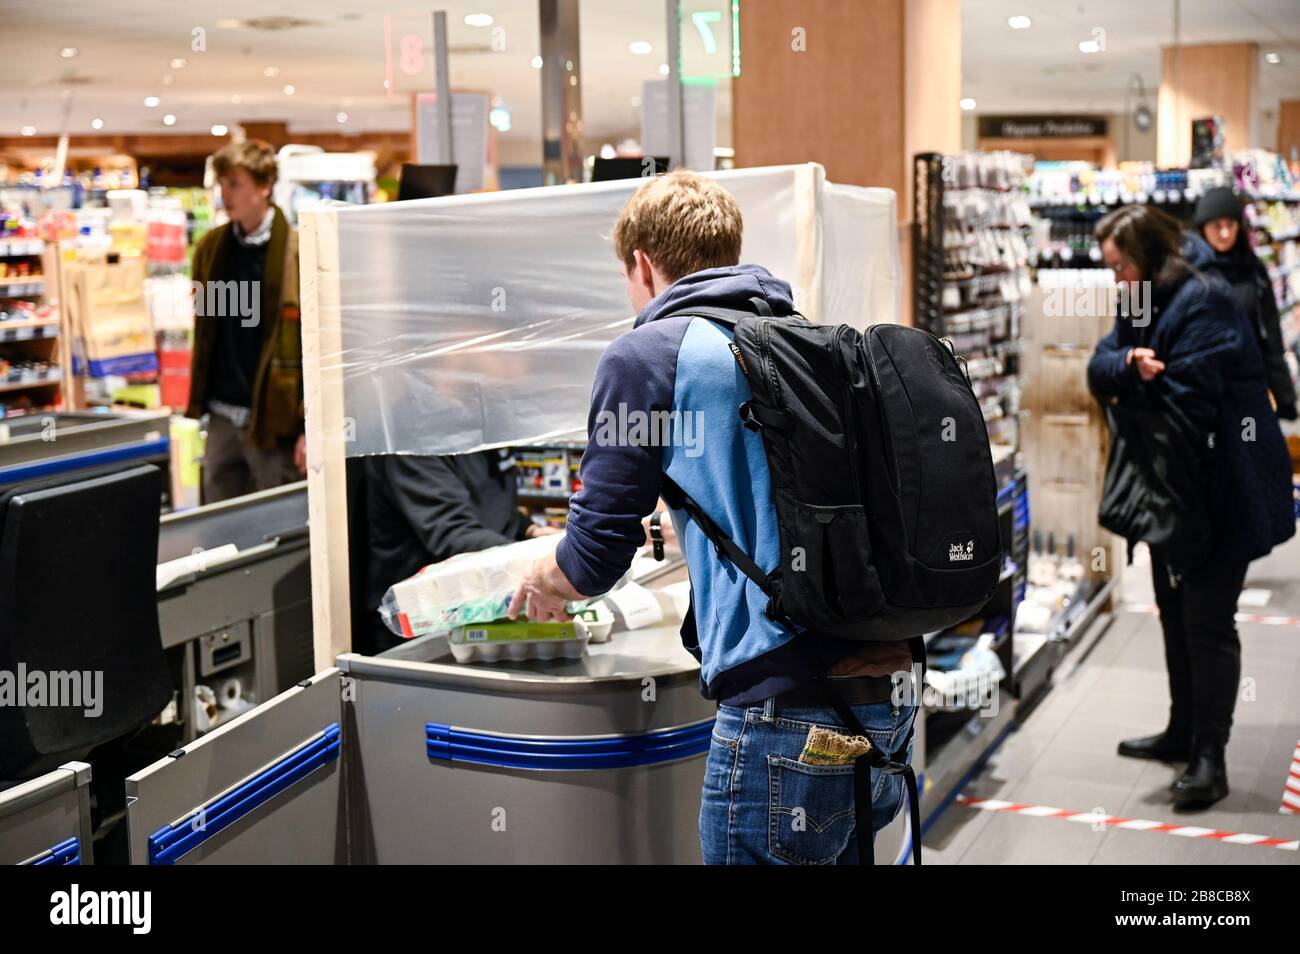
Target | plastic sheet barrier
(476,321)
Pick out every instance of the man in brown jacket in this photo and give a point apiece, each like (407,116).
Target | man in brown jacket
(246,371)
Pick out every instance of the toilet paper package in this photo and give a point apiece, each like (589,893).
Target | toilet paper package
(469,588)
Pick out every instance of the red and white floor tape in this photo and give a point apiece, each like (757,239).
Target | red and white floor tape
(1291,791)
(1134,824)
(1151,608)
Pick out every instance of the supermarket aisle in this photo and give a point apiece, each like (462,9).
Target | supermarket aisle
(1063,757)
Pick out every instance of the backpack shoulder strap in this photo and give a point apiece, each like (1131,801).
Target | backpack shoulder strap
(726,547)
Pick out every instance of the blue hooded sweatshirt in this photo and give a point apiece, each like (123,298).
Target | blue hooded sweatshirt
(682,369)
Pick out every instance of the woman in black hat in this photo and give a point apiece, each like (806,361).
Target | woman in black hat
(1219,221)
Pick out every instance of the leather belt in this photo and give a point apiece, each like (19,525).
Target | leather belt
(856,690)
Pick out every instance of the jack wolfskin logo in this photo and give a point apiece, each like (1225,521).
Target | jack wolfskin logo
(961,552)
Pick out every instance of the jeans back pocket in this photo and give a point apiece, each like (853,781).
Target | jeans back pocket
(810,811)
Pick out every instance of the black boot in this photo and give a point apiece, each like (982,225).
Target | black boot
(1168,746)
(1206,778)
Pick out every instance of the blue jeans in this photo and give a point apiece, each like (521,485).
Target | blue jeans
(761,805)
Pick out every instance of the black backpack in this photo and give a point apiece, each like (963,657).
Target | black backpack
(881,476)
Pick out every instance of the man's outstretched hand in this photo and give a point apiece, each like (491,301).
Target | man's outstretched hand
(543,592)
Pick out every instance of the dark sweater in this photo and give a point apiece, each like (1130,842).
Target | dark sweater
(237,347)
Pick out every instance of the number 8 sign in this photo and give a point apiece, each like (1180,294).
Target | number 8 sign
(408,56)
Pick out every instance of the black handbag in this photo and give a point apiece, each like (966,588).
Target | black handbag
(1159,479)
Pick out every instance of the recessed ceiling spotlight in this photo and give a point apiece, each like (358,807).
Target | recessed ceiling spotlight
(1273,59)
(537,62)
(1019,22)
(28,130)
(663,69)
(68,52)
(97,123)
(151,101)
(289,90)
(271,71)
(169,120)
(178,63)
(639,47)
(341,117)
(478,19)
(219,130)
(1089,46)
(967,104)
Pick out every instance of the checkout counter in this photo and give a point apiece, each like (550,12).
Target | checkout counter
(410,757)
(234,602)
(35,446)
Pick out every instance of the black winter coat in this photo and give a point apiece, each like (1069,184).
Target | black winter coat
(1214,374)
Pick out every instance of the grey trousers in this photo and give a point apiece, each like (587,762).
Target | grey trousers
(231,468)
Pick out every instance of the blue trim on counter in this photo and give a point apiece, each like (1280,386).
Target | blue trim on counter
(62,465)
(445,743)
(169,843)
(64,853)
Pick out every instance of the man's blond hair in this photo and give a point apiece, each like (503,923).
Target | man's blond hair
(683,222)
(253,156)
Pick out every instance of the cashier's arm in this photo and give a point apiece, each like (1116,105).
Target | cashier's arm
(543,592)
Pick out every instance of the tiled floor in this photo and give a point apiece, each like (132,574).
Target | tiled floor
(1063,755)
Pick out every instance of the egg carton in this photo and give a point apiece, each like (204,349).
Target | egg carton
(518,641)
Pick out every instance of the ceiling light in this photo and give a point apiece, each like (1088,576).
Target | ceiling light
(663,69)
(219,130)
(1272,59)
(151,101)
(68,52)
(97,123)
(289,90)
(169,120)
(271,71)
(500,119)
(1019,22)
(28,130)
(478,19)
(537,62)
(236,99)
(967,104)
(178,63)
(639,47)
(341,117)
(1089,46)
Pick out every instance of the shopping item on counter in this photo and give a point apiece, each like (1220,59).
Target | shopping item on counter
(517,640)
(469,588)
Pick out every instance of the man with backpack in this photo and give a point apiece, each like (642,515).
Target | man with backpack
(803,715)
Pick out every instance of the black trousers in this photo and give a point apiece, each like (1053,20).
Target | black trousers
(1202,650)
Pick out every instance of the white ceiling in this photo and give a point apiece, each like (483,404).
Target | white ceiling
(337,63)
(1041,69)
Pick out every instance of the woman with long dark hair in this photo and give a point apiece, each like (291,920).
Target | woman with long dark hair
(1199,471)
(1219,221)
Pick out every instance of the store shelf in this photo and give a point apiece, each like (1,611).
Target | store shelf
(52,377)
(21,287)
(15,247)
(25,329)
